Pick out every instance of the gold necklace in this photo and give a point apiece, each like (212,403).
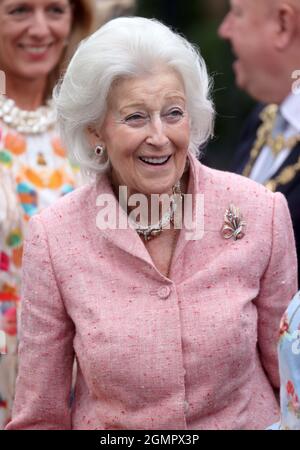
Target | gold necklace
(278,143)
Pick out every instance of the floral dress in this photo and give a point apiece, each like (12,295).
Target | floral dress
(34,172)
(289,366)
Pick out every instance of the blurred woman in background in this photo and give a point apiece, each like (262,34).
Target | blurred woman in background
(37,39)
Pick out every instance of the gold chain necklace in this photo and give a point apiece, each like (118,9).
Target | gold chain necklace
(278,143)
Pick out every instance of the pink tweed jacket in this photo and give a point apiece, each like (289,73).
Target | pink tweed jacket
(193,351)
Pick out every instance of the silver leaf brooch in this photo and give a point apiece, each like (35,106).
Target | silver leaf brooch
(233,224)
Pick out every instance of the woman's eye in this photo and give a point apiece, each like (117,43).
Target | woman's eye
(174,115)
(19,10)
(135,120)
(56,9)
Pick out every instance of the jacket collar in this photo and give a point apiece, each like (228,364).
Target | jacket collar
(290,110)
(127,239)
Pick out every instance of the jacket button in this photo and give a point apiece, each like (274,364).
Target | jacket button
(164,292)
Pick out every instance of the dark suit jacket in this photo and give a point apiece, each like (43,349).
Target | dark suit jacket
(291,190)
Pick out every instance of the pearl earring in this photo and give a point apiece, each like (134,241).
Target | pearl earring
(99,150)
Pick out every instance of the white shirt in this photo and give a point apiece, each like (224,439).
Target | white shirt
(287,123)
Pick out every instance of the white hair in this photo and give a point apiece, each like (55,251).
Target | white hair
(127,47)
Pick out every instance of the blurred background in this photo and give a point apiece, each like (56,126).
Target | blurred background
(198,21)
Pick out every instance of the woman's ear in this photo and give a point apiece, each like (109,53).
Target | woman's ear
(93,136)
(287,18)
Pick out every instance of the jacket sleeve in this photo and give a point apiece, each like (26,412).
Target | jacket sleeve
(278,286)
(46,346)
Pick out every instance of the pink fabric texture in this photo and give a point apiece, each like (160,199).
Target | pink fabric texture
(196,351)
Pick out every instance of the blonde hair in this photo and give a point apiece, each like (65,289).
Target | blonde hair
(84,20)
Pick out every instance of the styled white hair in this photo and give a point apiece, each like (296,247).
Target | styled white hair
(127,47)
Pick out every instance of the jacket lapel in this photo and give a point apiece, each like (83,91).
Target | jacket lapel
(125,237)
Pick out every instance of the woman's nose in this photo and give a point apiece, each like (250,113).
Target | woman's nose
(157,133)
(39,26)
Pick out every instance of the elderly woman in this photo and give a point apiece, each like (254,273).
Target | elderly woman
(37,38)
(171,308)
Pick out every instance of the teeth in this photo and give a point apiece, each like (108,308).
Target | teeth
(37,50)
(155,160)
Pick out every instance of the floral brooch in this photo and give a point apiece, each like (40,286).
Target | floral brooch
(233,224)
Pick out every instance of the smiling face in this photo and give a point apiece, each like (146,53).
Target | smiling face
(250,28)
(33,34)
(146,132)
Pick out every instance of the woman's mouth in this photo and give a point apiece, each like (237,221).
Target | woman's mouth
(155,161)
(35,50)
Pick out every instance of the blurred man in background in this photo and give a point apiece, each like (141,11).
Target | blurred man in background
(265,38)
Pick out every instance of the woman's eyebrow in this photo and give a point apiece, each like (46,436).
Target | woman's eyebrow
(141,104)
